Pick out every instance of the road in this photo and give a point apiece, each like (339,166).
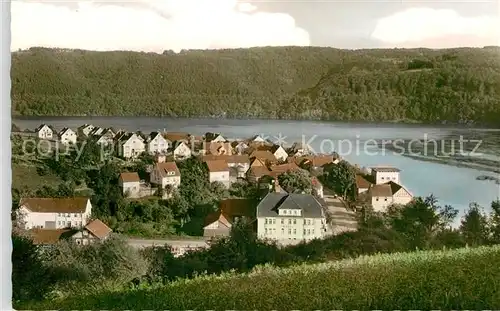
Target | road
(341,219)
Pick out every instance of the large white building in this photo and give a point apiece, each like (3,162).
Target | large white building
(382,175)
(67,136)
(54,213)
(290,218)
(44,132)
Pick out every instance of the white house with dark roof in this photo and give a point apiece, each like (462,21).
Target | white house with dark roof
(181,151)
(130,146)
(382,175)
(290,218)
(85,129)
(383,195)
(67,136)
(106,138)
(44,132)
(54,213)
(156,143)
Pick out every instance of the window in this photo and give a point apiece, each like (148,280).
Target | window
(274,221)
(282,230)
(289,221)
(376,199)
(304,231)
(68,215)
(308,231)
(312,231)
(265,222)
(295,221)
(385,199)
(289,231)
(282,221)
(305,221)
(265,230)
(294,231)
(75,215)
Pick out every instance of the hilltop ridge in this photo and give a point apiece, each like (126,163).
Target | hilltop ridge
(313,83)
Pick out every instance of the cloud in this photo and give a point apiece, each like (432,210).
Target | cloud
(152,26)
(435,28)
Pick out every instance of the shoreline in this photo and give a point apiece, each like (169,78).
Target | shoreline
(406,123)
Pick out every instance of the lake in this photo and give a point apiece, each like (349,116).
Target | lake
(356,142)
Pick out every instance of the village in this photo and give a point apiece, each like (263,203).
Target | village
(287,218)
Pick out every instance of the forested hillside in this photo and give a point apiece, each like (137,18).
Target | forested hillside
(272,82)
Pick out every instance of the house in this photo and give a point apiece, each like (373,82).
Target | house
(54,213)
(316,163)
(239,146)
(383,195)
(264,155)
(214,137)
(279,153)
(106,138)
(277,170)
(218,171)
(382,175)
(156,143)
(97,131)
(300,149)
(258,139)
(317,187)
(166,175)
(44,132)
(67,136)
(255,173)
(220,222)
(290,218)
(181,150)
(362,184)
(130,184)
(216,148)
(238,164)
(85,129)
(94,231)
(130,146)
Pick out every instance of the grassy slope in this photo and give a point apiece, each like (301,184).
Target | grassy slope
(459,279)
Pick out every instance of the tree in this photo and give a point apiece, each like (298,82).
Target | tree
(474,226)
(295,181)
(495,221)
(31,278)
(342,179)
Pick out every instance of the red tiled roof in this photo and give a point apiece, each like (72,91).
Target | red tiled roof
(259,171)
(49,236)
(98,228)
(236,158)
(264,155)
(362,183)
(217,166)
(165,167)
(55,205)
(129,177)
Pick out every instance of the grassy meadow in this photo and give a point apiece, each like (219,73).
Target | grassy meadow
(467,278)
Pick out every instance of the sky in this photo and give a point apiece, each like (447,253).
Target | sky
(158,25)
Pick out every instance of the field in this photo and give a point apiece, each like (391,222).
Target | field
(458,279)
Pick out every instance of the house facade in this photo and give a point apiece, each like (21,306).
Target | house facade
(67,136)
(156,143)
(44,132)
(130,184)
(382,175)
(290,218)
(130,146)
(362,185)
(166,175)
(218,171)
(54,213)
(239,147)
(219,223)
(94,231)
(279,153)
(85,129)
(384,195)
(181,151)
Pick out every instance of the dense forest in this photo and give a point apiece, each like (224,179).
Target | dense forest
(315,83)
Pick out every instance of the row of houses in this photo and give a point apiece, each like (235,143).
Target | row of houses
(51,219)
